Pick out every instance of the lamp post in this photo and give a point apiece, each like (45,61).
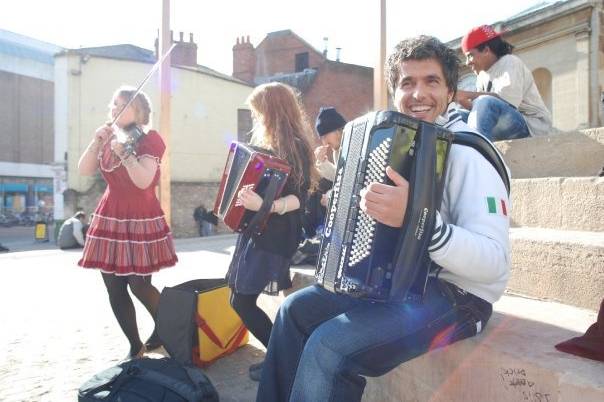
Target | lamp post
(165,39)
(380,98)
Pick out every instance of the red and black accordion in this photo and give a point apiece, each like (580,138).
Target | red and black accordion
(254,168)
(359,256)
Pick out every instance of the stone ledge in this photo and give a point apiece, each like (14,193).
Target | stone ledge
(561,265)
(514,359)
(569,203)
(579,153)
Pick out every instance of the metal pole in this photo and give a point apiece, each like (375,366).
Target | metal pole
(380,97)
(594,58)
(164,110)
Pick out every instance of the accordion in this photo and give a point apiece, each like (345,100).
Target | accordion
(249,167)
(360,256)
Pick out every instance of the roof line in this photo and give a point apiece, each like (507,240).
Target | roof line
(289,31)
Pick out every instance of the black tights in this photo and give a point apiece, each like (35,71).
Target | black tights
(122,306)
(252,316)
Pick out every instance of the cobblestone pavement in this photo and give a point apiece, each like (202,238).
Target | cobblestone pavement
(58,329)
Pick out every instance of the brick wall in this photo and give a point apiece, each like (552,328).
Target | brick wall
(347,87)
(184,54)
(185,198)
(244,60)
(277,54)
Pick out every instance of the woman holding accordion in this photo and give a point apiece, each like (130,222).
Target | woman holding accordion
(261,263)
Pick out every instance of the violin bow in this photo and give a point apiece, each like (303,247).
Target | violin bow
(142,84)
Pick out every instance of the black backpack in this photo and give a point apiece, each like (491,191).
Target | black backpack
(149,380)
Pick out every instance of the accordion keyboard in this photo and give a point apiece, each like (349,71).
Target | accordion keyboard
(364,231)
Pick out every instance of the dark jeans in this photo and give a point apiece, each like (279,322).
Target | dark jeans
(322,344)
(495,119)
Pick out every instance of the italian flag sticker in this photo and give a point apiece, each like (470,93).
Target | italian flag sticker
(497,206)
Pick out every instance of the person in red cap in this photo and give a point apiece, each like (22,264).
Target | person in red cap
(506,104)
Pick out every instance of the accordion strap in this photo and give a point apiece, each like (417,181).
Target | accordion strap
(265,208)
(487,150)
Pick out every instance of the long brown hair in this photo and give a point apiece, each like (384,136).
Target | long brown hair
(282,127)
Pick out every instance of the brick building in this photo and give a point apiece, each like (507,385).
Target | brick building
(285,57)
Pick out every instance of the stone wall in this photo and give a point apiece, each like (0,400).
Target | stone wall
(185,198)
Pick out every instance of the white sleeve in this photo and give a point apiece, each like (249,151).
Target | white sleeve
(509,83)
(471,238)
(327,170)
(77,231)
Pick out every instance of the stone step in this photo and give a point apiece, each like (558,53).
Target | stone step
(556,265)
(569,203)
(564,154)
(561,265)
(514,359)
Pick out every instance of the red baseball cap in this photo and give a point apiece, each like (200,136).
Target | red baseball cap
(477,36)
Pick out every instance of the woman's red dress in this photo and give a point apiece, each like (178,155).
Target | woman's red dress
(128,233)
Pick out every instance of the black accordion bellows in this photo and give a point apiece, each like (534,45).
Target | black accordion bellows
(364,258)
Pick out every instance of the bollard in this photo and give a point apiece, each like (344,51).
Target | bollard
(41,231)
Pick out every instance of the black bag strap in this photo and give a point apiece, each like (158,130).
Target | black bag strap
(208,391)
(267,202)
(180,388)
(112,385)
(487,150)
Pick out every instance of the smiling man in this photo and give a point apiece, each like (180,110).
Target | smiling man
(506,104)
(324,344)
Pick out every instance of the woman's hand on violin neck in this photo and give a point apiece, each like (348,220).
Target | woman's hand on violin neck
(118,149)
(103,133)
(249,199)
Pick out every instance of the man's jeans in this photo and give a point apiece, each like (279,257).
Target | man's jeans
(322,344)
(495,119)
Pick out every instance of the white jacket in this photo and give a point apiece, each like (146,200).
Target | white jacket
(470,241)
(327,169)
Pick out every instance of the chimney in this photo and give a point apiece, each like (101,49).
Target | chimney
(184,54)
(338,53)
(244,60)
(325,42)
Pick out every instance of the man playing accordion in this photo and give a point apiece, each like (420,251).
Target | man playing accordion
(323,343)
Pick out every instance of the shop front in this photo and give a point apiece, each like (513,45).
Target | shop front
(25,199)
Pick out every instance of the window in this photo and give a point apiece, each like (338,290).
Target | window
(301,61)
(543,81)
(244,125)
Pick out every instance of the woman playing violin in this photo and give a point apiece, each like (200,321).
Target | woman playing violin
(128,239)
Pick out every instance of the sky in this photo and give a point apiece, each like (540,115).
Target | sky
(351,25)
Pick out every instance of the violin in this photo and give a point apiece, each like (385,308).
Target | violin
(129,137)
